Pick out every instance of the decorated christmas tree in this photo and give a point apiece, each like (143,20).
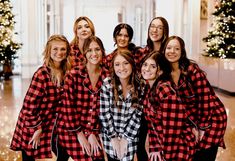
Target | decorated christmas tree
(221,38)
(8,46)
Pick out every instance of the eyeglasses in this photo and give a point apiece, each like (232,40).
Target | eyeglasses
(152,27)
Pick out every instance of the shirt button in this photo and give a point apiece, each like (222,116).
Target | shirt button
(89,123)
(90,110)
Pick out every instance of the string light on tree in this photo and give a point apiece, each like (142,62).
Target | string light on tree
(221,38)
(8,46)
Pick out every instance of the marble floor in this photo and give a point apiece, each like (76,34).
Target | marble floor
(13,91)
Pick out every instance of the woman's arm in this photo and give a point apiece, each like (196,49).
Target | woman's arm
(133,125)
(33,100)
(72,116)
(203,92)
(105,112)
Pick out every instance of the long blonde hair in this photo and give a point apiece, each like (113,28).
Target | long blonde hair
(57,75)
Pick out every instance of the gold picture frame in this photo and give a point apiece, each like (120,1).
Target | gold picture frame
(204,9)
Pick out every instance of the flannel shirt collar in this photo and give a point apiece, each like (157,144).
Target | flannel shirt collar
(120,94)
(87,83)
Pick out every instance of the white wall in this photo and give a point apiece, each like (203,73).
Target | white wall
(28,27)
(183,17)
(104,15)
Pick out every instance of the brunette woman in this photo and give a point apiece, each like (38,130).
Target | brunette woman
(120,109)
(209,117)
(170,136)
(158,32)
(122,36)
(80,128)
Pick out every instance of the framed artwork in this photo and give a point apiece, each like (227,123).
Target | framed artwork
(204,9)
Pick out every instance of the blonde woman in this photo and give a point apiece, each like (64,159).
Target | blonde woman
(42,103)
(81,128)
(83,28)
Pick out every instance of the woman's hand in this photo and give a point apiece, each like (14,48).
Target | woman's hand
(95,146)
(155,156)
(86,148)
(116,146)
(36,139)
(123,147)
(201,134)
(147,144)
(196,134)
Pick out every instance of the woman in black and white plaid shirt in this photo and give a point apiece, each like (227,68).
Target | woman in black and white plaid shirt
(120,110)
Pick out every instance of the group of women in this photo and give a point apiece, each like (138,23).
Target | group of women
(150,103)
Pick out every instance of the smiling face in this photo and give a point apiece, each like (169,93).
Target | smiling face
(149,70)
(94,53)
(156,30)
(58,51)
(122,68)
(83,30)
(122,38)
(173,51)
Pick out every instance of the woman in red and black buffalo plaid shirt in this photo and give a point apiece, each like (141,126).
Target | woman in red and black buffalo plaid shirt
(80,127)
(209,116)
(42,103)
(158,32)
(170,137)
(83,28)
(122,36)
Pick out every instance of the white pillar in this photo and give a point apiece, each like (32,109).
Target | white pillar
(31,37)
(194,29)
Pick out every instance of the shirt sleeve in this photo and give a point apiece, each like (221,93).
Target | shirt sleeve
(32,101)
(72,115)
(105,112)
(154,129)
(155,144)
(203,91)
(131,130)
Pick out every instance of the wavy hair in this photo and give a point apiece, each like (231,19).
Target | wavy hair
(75,26)
(56,75)
(133,81)
(91,39)
(163,65)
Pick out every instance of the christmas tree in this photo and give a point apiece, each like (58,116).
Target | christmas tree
(221,38)
(8,46)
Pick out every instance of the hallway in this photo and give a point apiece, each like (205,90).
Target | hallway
(13,91)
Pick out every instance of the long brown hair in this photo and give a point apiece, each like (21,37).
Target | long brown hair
(133,81)
(87,43)
(184,62)
(165,33)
